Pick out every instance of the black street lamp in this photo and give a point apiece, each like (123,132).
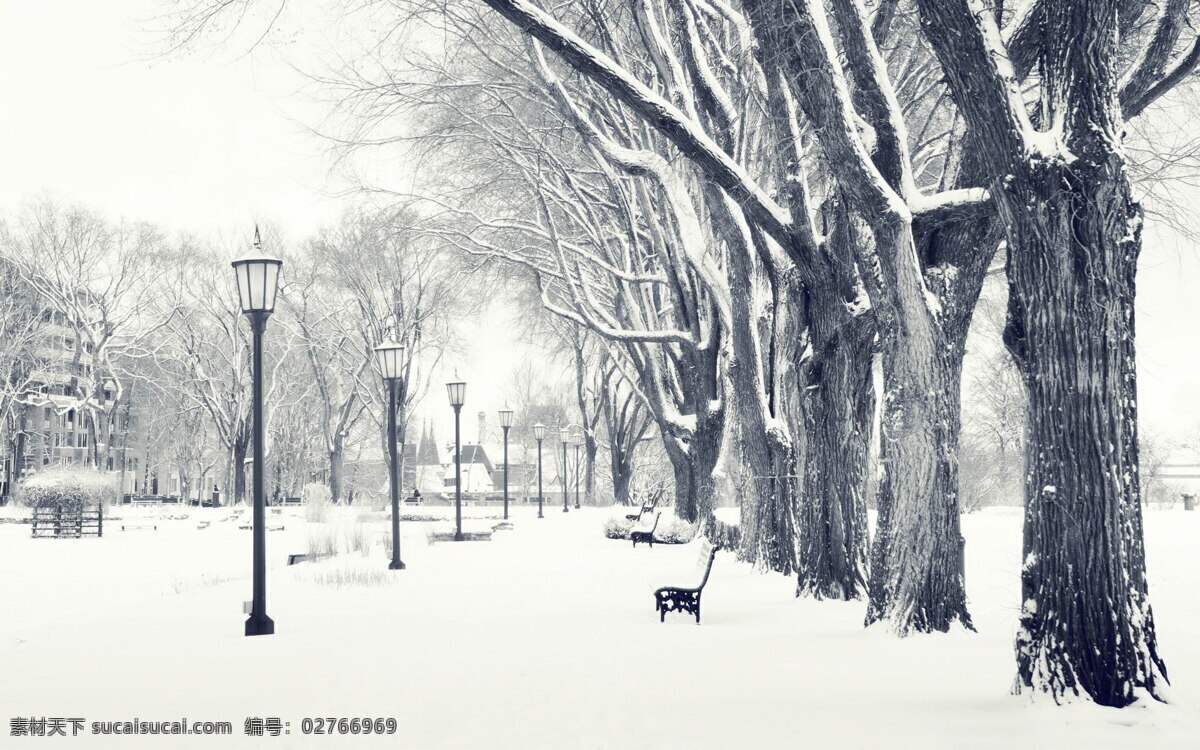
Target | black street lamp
(577,439)
(539,432)
(457,391)
(564,435)
(506,416)
(258,281)
(389,356)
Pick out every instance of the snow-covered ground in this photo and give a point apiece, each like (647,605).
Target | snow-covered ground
(544,637)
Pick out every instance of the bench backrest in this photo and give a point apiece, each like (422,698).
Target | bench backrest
(642,525)
(704,562)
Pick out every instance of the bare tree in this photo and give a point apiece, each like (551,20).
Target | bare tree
(96,277)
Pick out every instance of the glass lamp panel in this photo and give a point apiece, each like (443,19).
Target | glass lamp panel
(388,356)
(270,284)
(539,431)
(242,271)
(257,280)
(506,417)
(457,392)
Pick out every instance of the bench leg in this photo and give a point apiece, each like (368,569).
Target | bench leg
(697,608)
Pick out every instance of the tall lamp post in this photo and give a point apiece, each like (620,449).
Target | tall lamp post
(457,391)
(539,432)
(389,355)
(506,416)
(564,434)
(577,439)
(258,281)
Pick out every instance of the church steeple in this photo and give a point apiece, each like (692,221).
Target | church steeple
(427,452)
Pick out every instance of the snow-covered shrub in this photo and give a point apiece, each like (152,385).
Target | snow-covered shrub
(674,530)
(316,499)
(72,487)
(617,527)
(670,530)
(724,535)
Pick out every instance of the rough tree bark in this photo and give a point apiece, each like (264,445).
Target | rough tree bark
(839,405)
(1074,233)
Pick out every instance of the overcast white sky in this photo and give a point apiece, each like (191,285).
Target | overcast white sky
(210,145)
(206,144)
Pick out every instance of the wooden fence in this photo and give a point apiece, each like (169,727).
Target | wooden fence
(64,523)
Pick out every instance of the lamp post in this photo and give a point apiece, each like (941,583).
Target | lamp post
(577,439)
(457,390)
(389,356)
(257,282)
(539,432)
(506,416)
(564,435)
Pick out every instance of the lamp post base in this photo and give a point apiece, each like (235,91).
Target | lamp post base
(396,565)
(260,625)
(566,510)
(458,537)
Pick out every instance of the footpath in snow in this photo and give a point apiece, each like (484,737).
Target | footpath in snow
(544,637)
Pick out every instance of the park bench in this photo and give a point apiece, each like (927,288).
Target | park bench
(687,598)
(644,532)
(646,508)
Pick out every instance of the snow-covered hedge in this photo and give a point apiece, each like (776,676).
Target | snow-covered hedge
(73,487)
(317,500)
(670,530)
(617,528)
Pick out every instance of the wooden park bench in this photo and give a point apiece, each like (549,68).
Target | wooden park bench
(687,598)
(644,532)
(648,506)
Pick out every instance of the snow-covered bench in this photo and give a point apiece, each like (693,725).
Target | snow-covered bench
(646,508)
(687,598)
(643,531)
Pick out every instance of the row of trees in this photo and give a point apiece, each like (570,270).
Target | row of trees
(142,337)
(139,329)
(749,204)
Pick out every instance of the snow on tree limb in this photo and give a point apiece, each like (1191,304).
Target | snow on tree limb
(661,114)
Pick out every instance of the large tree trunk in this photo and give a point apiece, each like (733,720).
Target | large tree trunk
(839,405)
(766,455)
(1086,622)
(241,446)
(916,579)
(337,466)
(622,472)
(695,489)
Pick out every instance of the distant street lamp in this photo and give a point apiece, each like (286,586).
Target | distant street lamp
(564,434)
(257,282)
(457,391)
(539,432)
(577,439)
(506,416)
(389,356)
